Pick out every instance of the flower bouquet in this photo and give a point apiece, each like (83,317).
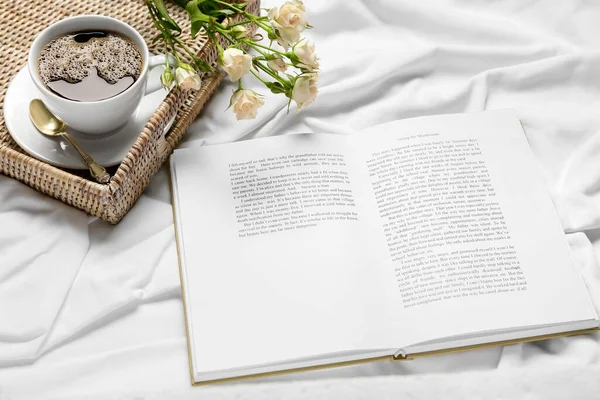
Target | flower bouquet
(282,60)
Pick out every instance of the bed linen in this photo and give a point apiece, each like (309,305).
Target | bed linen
(89,310)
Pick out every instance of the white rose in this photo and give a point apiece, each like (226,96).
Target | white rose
(289,21)
(305,90)
(306,54)
(187,78)
(278,64)
(236,63)
(246,103)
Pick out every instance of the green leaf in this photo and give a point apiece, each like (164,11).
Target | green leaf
(218,13)
(169,26)
(275,87)
(226,11)
(166,20)
(196,27)
(202,65)
(205,6)
(194,11)
(197,17)
(162,9)
(181,3)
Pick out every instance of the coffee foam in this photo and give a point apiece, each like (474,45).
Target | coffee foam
(113,56)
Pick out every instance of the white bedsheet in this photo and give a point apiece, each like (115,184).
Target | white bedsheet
(89,310)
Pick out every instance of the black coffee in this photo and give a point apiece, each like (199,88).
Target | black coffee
(90,65)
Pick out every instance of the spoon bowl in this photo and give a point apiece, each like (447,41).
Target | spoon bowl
(43,119)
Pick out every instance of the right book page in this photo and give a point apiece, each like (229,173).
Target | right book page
(465,230)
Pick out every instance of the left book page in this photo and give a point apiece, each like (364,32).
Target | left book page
(274,252)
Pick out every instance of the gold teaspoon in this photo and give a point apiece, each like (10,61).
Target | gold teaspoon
(51,125)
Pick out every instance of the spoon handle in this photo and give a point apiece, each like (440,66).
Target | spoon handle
(96,170)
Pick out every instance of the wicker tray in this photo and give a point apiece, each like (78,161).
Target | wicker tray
(21,22)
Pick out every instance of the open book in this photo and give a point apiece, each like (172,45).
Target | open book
(416,236)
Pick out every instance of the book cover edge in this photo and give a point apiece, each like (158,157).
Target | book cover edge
(183,297)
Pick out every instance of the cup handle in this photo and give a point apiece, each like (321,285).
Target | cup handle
(155,61)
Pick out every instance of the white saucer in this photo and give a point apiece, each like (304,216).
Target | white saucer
(106,150)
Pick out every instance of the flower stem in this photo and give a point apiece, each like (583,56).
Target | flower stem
(252,44)
(173,47)
(223,3)
(256,19)
(212,37)
(258,50)
(270,72)
(258,77)
(244,22)
(166,35)
(185,48)
(224,33)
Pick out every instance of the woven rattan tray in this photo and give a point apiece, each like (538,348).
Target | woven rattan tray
(21,22)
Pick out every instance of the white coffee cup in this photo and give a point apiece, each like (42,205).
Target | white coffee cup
(103,116)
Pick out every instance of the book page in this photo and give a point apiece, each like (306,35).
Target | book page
(468,235)
(273,235)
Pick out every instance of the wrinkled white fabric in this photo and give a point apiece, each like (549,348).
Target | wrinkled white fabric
(89,310)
